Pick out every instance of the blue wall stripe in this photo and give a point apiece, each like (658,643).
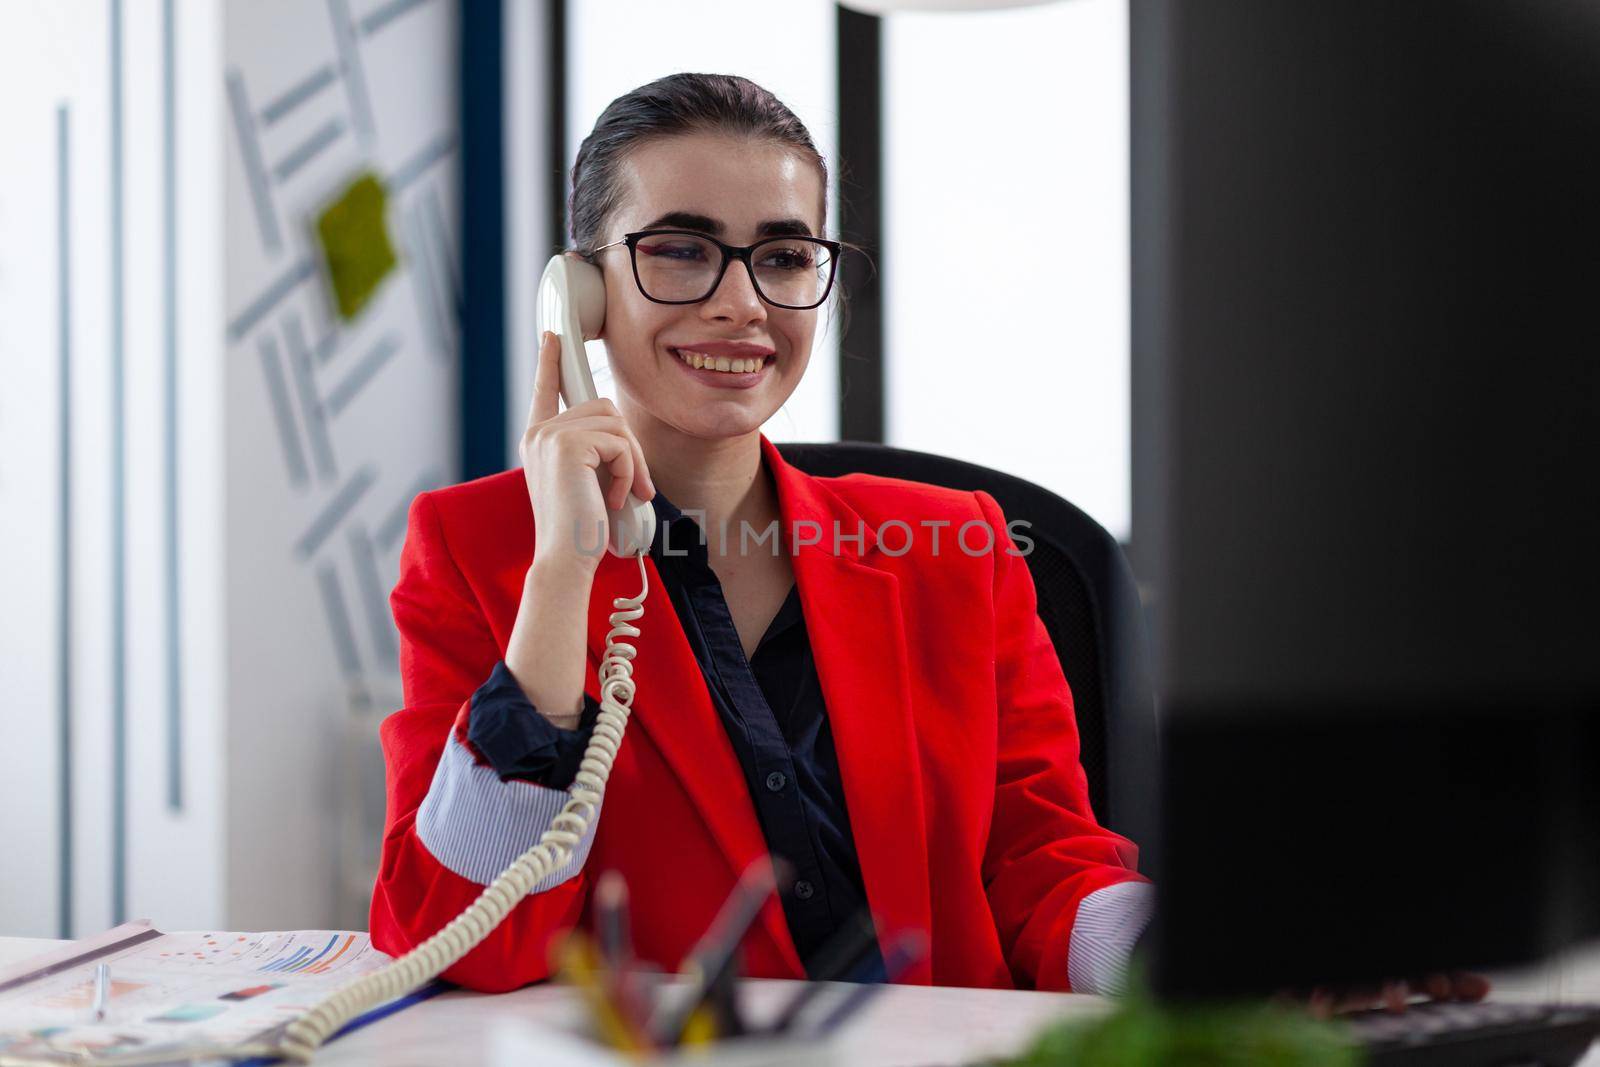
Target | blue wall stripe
(481,417)
(330,517)
(119,476)
(328,347)
(441,244)
(374,597)
(311,409)
(414,167)
(422,284)
(262,305)
(255,171)
(340,395)
(282,414)
(355,78)
(169,443)
(449,317)
(297,94)
(344,639)
(64,873)
(308,149)
(377,19)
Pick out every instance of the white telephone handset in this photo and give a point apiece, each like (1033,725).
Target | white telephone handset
(572,304)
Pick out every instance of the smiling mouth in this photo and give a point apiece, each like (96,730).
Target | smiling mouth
(700,361)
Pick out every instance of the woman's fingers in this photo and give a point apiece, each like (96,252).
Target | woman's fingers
(1324,1002)
(1465,986)
(1396,995)
(613,452)
(601,414)
(546,401)
(643,488)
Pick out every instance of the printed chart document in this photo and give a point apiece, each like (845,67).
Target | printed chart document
(171,990)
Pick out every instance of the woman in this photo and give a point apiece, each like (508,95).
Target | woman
(880,709)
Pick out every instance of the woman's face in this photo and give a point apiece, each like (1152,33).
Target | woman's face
(735,187)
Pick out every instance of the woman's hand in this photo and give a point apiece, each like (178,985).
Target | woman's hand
(562,456)
(1327,1001)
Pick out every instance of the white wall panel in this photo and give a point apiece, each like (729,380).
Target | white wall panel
(289,507)
(332,426)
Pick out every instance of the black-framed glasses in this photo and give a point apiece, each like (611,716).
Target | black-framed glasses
(686,266)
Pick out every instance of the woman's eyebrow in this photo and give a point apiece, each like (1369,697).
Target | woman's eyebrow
(688,220)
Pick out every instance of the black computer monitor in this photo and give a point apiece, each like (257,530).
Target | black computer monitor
(1366,331)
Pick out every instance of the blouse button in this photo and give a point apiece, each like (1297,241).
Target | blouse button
(776,781)
(804,890)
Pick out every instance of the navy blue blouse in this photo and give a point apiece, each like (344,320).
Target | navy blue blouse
(773,709)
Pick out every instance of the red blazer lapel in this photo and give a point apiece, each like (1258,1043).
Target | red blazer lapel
(673,710)
(852,612)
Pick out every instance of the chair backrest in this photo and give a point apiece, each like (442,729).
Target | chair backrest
(1087,600)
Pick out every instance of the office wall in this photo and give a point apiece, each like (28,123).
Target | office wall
(203,471)
(110,461)
(333,426)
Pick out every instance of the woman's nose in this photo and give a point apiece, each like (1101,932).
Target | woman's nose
(735,296)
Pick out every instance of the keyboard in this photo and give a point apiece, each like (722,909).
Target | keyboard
(1486,1034)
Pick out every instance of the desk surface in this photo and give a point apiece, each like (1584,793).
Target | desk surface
(908,1026)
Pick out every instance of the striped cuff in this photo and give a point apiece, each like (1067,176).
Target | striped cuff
(477,825)
(1109,921)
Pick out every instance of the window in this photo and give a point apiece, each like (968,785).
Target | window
(1006,232)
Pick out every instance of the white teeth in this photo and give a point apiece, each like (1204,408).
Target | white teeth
(721,363)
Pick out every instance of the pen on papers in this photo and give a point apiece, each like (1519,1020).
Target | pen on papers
(904,950)
(715,951)
(102,990)
(621,979)
(840,956)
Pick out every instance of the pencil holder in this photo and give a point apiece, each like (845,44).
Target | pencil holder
(755,1052)
(518,1042)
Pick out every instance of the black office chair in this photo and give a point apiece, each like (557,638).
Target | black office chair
(1087,600)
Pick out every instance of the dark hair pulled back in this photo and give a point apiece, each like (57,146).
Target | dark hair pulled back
(675,104)
(681,104)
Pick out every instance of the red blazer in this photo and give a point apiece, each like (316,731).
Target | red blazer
(952,721)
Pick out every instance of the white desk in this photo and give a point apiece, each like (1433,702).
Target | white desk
(907,1026)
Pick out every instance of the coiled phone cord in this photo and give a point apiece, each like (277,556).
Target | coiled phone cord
(553,851)
(302,1037)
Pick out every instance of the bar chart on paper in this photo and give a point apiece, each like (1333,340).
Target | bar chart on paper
(286,952)
(177,989)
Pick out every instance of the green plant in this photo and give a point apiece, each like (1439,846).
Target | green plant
(1142,1033)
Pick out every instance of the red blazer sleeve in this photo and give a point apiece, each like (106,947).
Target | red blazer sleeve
(446,651)
(1046,852)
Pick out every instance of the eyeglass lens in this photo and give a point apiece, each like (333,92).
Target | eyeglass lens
(677,266)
